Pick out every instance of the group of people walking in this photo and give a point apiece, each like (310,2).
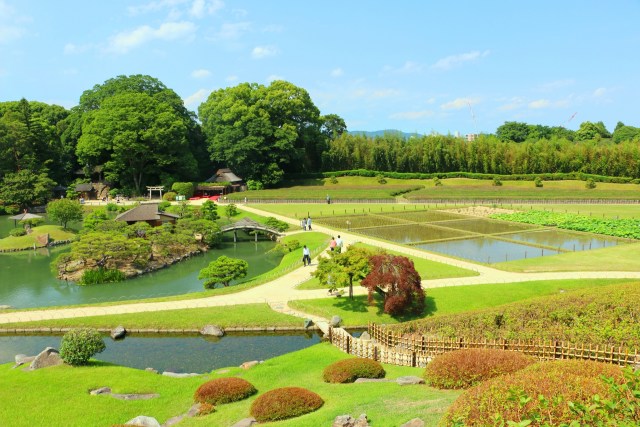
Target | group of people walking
(334,246)
(305,224)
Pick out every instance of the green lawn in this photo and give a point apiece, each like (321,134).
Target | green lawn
(454,299)
(616,258)
(68,402)
(248,315)
(56,232)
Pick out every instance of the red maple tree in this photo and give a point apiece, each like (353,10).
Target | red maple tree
(396,279)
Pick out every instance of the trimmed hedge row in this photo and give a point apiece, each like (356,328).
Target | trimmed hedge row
(349,370)
(224,390)
(283,403)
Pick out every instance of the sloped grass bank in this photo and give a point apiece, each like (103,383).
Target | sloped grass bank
(55,232)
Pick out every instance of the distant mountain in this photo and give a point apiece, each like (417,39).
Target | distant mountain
(384,132)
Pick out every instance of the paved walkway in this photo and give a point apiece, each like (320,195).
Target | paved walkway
(283,289)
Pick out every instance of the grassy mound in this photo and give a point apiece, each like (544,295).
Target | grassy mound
(283,403)
(604,316)
(349,370)
(469,367)
(541,391)
(224,390)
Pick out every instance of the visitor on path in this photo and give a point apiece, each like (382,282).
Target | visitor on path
(333,244)
(328,200)
(309,223)
(306,256)
(303,224)
(339,244)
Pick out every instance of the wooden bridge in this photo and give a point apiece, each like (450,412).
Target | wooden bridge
(247,224)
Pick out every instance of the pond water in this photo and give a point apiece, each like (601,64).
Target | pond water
(566,240)
(26,279)
(412,233)
(485,226)
(173,353)
(486,249)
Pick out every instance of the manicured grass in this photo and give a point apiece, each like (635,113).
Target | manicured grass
(56,232)
(247,315)
(454,299)
(68,402)
(616,258)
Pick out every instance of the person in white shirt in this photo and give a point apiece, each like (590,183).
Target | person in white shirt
(339,244)
(306,256)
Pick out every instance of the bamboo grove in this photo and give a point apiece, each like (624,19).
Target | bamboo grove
(487,154)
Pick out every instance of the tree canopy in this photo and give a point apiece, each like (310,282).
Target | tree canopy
(65,210)
(261,132)
(343,268)
(222,271)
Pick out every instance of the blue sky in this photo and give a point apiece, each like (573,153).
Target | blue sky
(416,66)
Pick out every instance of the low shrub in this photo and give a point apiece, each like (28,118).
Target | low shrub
(112,207)
(497,182)
(469,367)
(224,390)
(205,409)
(538,182)
(541,391)
(283,403)
(101,275)
(349,370)
(437,182)
(17,232)
(381,179)
(169,196)
(590,184)
(79,345)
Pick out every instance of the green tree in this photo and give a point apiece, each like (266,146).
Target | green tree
(625,133)
(185,189)
(79,345)
(342,269)
(263,131)
(210,210)
(230,210)
(332,126)
(65,210)
(110,250)
(25,188)
(223,271)
(513,131)
(592,131)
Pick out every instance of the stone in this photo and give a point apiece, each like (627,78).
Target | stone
(372,380)
(335,321)
(155,371)
(361,421)
(118,333)
(416,422)
(101,390)
(5,307)
(132,396)
(365,336)
(47,357)
(409,380)
(308,323)
(249,365)
(245,422)
(142,420)
(349,421)
(21,359)
(180,375)
(213,330)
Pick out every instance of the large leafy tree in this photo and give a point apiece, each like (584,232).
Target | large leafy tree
(342,269)
(396,279)
(140,130)
(261,132)
(513,131)
(223,270)
(65,210)
(589,130)
(25,188)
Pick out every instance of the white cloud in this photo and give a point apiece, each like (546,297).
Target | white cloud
(600,92)
(260,52)
(74,49)
(459,103)
(454,60)
(412,115)
(513,104)
(546,103)
(274,77)
(125,41)
(273,29)
(555,85)
(232,78)
(233,31)
(154,6)
(539,103)
(384,93)
(200,73)
(337,72)
(201,8)
(407,68)
(196,98)
(11,23)
(239,13)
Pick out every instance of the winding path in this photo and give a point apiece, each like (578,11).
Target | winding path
(283,289)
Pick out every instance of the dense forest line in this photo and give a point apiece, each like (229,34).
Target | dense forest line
(133,131)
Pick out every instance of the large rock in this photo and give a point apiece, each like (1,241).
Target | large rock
(142,420)
(249,365)
(349,421)
(416,422)
(213,330)
(335,321)
(365,336)
(179,375)
(308,323)
(47,357)
(5,307)
(101,390)
(22,359)
(409,380)
(118,333)
(245,422)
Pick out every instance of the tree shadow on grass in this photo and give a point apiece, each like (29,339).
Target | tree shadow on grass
(429,309)
(357,304)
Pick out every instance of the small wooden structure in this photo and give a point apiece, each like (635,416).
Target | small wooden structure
(248,224)
(159,188)
(149,213)
(224,181)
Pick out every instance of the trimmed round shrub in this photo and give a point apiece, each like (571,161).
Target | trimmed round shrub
(169,196)
(468,367)
(79,345)
(224,390)
(543,389)
(349,370)
(283,403)
(17,232)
